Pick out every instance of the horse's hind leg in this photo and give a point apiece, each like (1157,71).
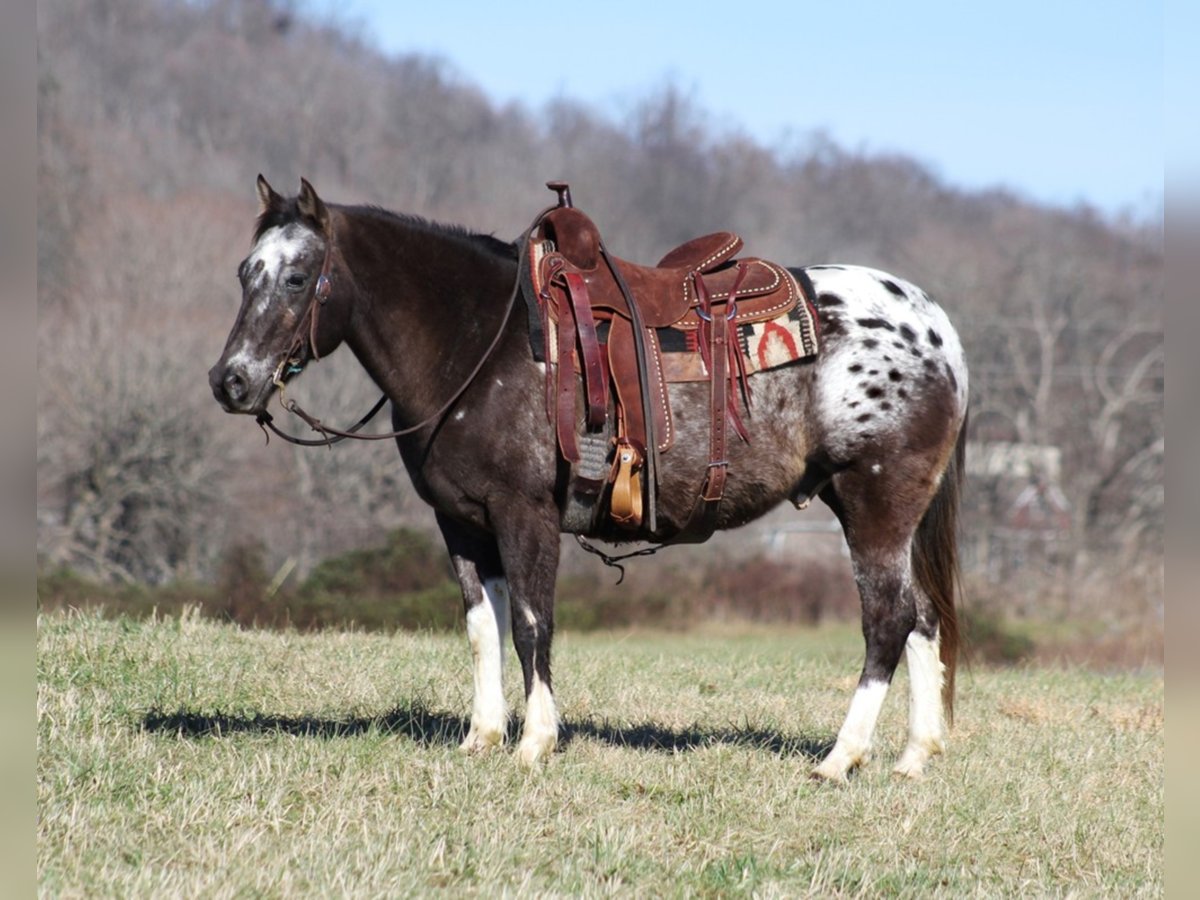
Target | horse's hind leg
(476,561)
(926,726)
(880,512)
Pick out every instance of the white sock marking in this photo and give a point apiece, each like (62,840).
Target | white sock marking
(925,727)
(541,724)
(854,740)
(487,623)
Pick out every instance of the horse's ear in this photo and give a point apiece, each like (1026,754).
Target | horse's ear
(311,206)
(267,196)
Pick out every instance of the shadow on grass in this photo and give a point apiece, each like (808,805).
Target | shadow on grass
(431,728)
(648,736)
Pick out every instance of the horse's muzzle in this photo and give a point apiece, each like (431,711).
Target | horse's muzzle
(231,386)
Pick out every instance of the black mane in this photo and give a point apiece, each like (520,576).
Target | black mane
(488,243)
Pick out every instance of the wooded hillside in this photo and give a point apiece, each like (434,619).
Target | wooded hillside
(154,117)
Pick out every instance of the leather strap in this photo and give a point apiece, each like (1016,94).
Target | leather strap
(650,473)
(565,397)
(589,349)
(622,354)
(717,327)
(308,322)
(718,339)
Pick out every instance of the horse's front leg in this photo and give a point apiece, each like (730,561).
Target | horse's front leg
(529,549)
(476,561)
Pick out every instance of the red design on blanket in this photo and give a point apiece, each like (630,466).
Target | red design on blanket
(769,355)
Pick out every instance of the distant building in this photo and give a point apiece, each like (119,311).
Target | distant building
(1041,508)
(1013,460)
(1014,489)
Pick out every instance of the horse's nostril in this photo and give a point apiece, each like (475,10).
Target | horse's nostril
(235,386)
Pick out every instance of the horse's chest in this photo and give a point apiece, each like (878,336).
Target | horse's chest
(486,449)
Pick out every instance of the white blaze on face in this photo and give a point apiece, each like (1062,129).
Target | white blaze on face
(277,249)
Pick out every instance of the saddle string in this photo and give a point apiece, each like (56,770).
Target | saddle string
(614,562)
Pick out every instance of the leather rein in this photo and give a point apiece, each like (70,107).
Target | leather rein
(295,358)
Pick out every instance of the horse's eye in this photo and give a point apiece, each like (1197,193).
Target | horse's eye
(296,280)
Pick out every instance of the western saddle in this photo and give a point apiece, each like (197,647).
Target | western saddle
(599,317)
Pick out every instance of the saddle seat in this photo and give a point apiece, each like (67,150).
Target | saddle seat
(666,294)
(600,317)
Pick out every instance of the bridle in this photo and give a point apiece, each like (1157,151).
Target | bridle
(306,332)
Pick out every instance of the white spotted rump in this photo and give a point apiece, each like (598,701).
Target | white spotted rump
(886,348)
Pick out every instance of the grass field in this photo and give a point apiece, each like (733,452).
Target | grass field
(184,758)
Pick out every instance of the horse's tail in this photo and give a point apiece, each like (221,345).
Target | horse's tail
(935,562)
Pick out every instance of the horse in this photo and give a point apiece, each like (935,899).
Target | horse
(874,426)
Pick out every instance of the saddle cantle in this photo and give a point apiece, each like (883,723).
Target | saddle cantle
(601,317)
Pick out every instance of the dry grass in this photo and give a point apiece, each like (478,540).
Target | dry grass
(184,758)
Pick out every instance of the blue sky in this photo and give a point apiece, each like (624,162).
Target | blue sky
(1061,101)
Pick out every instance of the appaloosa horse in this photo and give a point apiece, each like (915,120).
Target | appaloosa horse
(874,426)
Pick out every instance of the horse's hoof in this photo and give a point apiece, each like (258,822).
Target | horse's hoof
(824,776)
(480,741)
(837,766)
(533,750)
(909,771)
(913,759)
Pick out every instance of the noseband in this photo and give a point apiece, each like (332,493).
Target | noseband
(295,358)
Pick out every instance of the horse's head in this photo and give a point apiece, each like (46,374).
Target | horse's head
(286,284)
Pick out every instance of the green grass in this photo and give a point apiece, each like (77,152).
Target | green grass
(181,757)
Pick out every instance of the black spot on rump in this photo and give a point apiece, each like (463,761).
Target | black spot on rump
(828,299)
(902,394)
(874,392)
(935,338)
(831,325)
(894,375)
(870,343)
(885,405)
(856,368)
(907,333)
(863,417)
(876,323)
(929,364)
(893,287)
(950,376)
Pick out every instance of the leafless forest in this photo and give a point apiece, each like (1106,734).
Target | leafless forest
(155,115)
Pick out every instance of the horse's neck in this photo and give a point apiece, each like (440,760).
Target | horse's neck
(428,306)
